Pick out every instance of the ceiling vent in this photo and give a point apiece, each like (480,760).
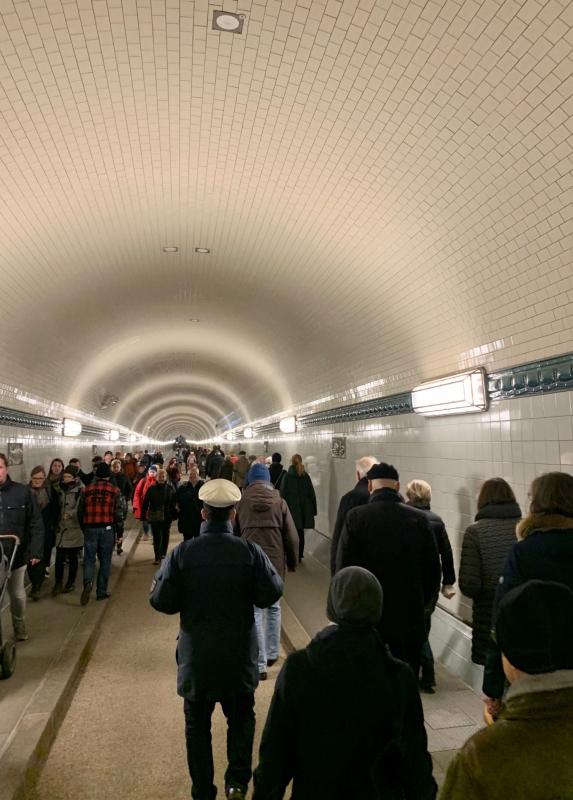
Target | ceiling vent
(227,22)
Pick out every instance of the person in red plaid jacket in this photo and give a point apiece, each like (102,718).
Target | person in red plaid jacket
(99,511)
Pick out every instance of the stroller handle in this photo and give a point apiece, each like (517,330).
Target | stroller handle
(11,536)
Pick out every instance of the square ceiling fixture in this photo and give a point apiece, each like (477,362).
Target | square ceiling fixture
(170,249)
(202,250)
(228,22)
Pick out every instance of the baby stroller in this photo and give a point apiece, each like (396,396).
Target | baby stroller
(8,648)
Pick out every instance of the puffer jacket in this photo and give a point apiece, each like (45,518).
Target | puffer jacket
(263,517)
(139,494)
(485,546)
(544,551)
(20,515)
(69,532)
(526,754)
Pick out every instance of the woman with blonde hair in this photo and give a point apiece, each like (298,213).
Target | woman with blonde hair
(298,491)
(543,551)
(419,494)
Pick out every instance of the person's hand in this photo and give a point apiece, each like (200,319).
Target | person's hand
(34,561)
(492,707)
(448,591)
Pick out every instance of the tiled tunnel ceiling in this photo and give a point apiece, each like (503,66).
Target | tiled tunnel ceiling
(385,188)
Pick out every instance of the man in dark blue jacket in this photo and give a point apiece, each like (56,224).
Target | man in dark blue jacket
(213,582)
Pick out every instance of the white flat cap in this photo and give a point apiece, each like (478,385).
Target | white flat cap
(219,493)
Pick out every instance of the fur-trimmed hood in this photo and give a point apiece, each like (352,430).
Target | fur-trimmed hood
(535,523)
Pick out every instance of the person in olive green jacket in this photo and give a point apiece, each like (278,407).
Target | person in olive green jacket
(527,754)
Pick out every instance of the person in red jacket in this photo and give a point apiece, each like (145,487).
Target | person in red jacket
(139,496)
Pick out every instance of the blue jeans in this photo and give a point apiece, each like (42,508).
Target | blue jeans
(98,542)
(268,622)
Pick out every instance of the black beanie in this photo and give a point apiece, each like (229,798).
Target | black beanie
(534,627)
(276,458)
(71,469)
(382,472)
(103,470)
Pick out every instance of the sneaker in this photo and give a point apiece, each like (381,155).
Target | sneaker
(103,596)
(47,572)
(119,550)
(87,590)
(20,632)
(35,593)
(262,676)
(69,588)
(57,589)
(156,562)
(272,661)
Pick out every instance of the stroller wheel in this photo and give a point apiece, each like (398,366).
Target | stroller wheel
(8,659)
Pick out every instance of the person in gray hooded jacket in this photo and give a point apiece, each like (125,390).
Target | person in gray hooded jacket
(346,719)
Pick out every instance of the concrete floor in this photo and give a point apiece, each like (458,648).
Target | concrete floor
(123,734)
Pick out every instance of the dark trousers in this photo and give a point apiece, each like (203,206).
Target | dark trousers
(63,553)
(410,652)
(240,713)
(160,531)
(300,532)
(426,656)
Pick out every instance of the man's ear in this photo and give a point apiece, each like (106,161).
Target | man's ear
(370,486)
(203,514)
(397,486)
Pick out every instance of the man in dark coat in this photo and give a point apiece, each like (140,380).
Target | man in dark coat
(345,721)
(213,582)
(394,541)
(358,496)
(189,506)
(276,470)
(19,516)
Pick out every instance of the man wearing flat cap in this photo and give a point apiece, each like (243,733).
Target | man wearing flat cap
(394,541)
(214,582)
(527,754)
(346,719)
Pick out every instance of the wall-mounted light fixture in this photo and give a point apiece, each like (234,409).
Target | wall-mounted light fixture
(113,436)
(71,427)
(464,393)
(229,436)
(248,433)
(288,424)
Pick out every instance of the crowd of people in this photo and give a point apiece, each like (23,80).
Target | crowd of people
(346,714)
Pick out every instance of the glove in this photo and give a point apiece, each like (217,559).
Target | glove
(448,591)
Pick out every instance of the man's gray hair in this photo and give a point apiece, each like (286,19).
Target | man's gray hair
(363,465)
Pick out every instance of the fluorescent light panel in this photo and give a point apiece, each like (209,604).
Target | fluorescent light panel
(71,427)
(288,425)
(464,393)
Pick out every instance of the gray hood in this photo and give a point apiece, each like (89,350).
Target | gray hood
(354,597)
